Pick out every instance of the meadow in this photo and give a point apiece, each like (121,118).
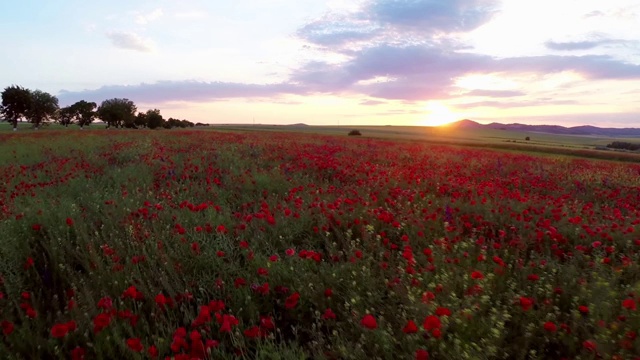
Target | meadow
(194,244)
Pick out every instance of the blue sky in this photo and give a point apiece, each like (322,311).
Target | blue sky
(404,62)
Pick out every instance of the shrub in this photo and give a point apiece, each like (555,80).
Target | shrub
(355,133)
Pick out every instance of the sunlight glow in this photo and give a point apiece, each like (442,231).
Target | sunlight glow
(438,114)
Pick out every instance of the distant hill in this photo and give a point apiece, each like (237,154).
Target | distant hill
(550,129)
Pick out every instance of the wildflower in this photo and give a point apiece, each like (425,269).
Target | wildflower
(410,328)
(629,304)
(422,354)
(100,322)
(252,332)
(61,330)
(328,315)
(526,303)
(7,327)
(589,345)
(292,301)
(135,344)
(78,353)
(369,322)
(431,322)
(550,326)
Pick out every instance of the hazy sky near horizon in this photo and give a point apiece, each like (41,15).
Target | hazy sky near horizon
(378,62)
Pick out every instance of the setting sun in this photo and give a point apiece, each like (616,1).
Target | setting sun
(438,114)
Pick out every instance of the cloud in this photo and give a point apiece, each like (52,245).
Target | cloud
(595,13)
(586,45)
(433,15)
(514,104)
(421,72)
(129,41)
(336,31)
(398,21)
(372,102)
(172,91)
(494,93)
(147,18)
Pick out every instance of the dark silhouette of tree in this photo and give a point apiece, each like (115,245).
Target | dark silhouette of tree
(624,145)
(65,116)
(44,107)
(154,119)
(85,112)
(141,120)
(117,112)
(16,102)
(355,133)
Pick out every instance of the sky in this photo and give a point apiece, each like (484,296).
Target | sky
(358,62)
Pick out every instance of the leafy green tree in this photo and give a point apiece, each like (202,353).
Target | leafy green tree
(44,107)
(84,112)
(65,116)
(154,119)
(16,102)
(141,120)
(117,112)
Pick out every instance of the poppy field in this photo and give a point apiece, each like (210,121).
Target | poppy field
(118,244)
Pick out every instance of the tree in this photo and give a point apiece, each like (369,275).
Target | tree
(16,102)
(141,120)
(84,112)
(154,119)
(44,107)
(65,116)
(117,112)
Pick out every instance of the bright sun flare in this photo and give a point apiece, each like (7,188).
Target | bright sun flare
(438,114)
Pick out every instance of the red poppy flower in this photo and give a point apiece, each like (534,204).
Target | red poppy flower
(329,314)
(629,304)
(526,303)
(550,326)
(78,353)
(589,345)
(292,301)
(443,311)
(369,322)
(431,322)
(7,327)
(135,344)
(422,354)
(410,328)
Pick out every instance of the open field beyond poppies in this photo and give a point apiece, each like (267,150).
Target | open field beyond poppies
(203,244)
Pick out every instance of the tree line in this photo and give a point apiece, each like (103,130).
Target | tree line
(624,145)
(38,107)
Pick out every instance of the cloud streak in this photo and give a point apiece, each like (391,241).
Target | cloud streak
(170,91)
(129,41)
(151,16)
(587,44)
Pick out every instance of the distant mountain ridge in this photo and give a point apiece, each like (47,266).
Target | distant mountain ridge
(550,129)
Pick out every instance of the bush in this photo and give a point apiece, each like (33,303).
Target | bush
(355,133)
(527,138)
